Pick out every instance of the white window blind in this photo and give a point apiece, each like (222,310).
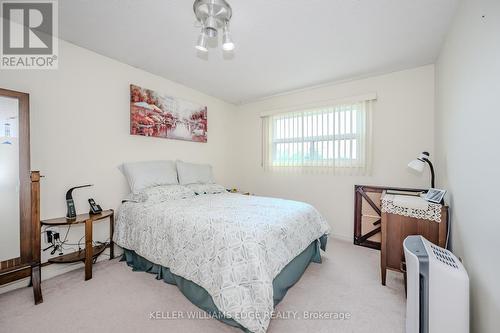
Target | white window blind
(332,138)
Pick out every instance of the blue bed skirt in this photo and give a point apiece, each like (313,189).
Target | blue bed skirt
(200,297)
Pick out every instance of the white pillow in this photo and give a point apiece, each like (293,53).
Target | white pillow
(190,173)
(142,175)
(206,188)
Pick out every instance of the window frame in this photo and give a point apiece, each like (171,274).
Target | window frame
(330,110)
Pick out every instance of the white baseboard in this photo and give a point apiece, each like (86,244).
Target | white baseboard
(348,238)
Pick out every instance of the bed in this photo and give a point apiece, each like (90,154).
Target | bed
(232,255)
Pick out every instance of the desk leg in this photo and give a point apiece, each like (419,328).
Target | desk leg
(88,250)
(383,273)
(111,231)
(383,249)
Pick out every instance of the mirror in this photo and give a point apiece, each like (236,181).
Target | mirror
(10,233)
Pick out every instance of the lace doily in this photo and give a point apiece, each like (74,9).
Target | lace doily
(416,207)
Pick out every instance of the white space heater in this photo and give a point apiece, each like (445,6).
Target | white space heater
(437,289)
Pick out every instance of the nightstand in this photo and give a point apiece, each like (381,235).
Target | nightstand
(90,253)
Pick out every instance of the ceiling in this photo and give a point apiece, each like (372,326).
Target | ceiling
(281,45)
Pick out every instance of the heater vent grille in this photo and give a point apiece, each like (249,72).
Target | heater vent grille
(444,256)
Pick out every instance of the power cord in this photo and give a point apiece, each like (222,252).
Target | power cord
(448,225)
(61,245)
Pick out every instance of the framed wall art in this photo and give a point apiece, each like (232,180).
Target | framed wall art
(162,116)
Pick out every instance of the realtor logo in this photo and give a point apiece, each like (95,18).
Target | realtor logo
(29,35)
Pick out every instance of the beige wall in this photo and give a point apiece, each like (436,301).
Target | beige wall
(80,129)
(403,119)
(467,138)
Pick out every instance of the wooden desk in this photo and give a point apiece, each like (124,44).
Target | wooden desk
(395,228)
(90,252)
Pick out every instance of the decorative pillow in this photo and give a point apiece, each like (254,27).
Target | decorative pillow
(206,188)
(142,175)
(162,193)
(190,173)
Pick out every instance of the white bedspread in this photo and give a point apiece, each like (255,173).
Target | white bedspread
(232,245)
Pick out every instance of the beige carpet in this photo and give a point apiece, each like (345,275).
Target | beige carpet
(119,300)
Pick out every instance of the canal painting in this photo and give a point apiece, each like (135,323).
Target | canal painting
(162,116)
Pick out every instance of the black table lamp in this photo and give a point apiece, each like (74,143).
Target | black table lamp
(70,204)
(419,164)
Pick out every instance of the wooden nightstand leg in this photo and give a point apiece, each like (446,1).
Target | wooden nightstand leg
(36,279)
(111,231)
(88,250)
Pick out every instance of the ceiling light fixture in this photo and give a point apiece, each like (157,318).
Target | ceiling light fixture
(213,15)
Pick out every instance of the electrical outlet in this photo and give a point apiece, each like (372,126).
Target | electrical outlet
(49,237)
(50,231)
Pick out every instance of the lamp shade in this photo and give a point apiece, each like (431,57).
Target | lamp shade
(227,41)
(202,42)
(417,165)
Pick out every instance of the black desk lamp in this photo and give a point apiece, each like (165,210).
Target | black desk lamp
(70,204)
(419,164)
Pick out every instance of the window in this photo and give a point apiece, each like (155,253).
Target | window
(332,137)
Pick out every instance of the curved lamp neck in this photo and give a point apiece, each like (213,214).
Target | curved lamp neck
(432,172)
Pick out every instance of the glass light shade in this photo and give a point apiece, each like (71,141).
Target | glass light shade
(202,42)
(211,32)
(228,45)
(211,27)
(417,165)
(227,41)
